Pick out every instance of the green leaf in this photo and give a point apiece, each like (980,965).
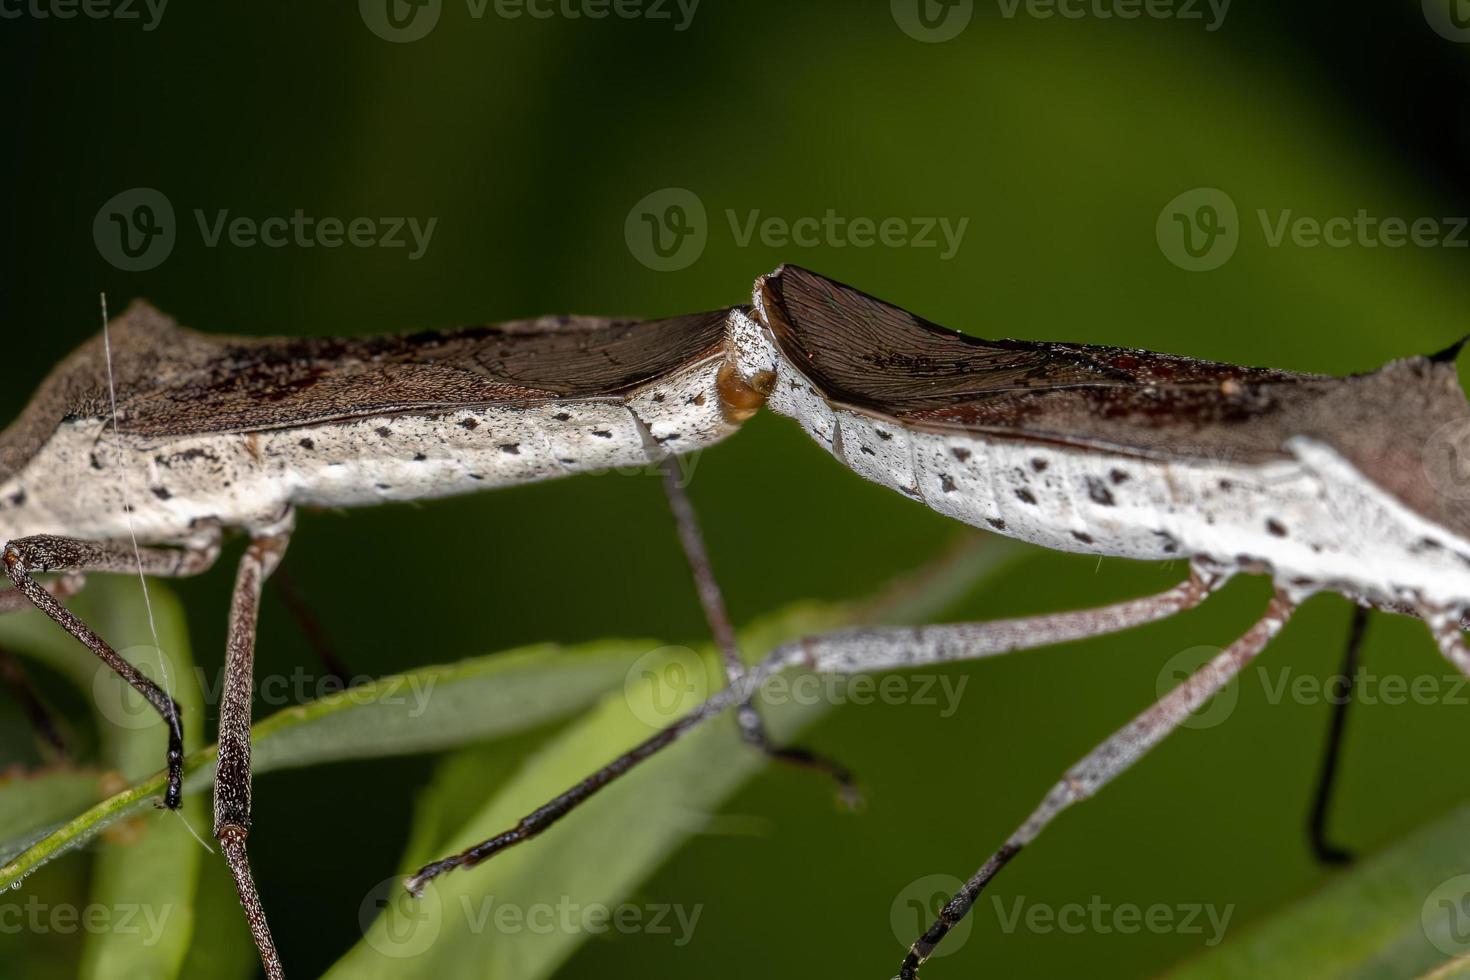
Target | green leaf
(424,710)
(523,914)
(1404,912)
(517,693)
(34,803)
(139,916)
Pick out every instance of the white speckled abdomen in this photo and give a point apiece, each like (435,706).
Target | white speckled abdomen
(1311,520)
(177,486)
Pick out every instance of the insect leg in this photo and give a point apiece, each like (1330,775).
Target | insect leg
(1449,635)
(852,651)
(316,637)
(232,777)
(25,694)
(752,728)
(68,585)
(25,557)
(1325,851)
(1102,764)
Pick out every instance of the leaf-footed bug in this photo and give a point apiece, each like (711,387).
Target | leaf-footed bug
(1349,485)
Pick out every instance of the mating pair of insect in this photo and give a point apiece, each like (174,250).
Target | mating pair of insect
(160,435)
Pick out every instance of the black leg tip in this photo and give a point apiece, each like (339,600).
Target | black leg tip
(1332,855)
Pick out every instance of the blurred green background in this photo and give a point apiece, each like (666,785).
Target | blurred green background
(1060,141)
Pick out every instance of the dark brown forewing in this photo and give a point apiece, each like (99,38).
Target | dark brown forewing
(872,355)
(173,381)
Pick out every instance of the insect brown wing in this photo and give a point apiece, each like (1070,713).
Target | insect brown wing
(174,381)
(871,355)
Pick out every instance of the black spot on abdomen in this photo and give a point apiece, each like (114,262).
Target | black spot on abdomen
(1100,494)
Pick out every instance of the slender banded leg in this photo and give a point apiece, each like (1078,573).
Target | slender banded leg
(29,699)
(232,777)
(25,557)
(1325,851)
(316,637)
(850,652)
(1102,764)
(752,729)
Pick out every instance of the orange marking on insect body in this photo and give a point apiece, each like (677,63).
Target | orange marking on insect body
(740,397)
